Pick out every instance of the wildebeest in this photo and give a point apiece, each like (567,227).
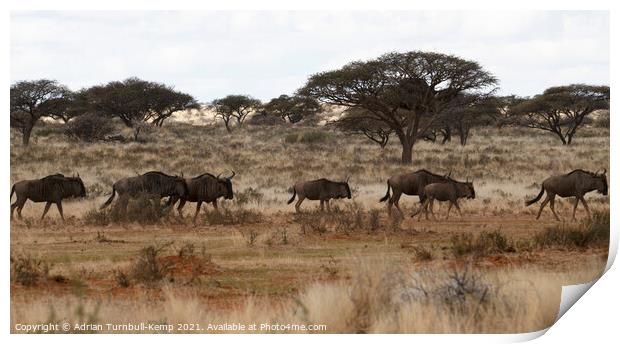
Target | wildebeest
(448,191)
(574,184)
(320,189)
(410,184)
(51,189)
(206,188)
(152,183)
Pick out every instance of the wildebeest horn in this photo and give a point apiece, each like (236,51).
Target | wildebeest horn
(347,180)
(233,174)
(218,176)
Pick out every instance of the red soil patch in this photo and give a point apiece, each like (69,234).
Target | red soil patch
(189,266)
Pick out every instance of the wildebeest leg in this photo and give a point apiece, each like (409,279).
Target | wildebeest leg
(542,206)
(180,207)
(198,204)
(552,206)
(59,206)
(215,206)
(322,206)
(19,203)
(577,199)
(449,208)
(586,206)
(47,208)
(422,210)
(429,206)
(299,200)
(422,201)
(329,207)
(396,199)
(456,204)
(19,209)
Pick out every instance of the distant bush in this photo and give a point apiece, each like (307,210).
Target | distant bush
(591,232)
(309,137)
(486,243)
(265,120)
(147,268)
(145,209)
(602,121)
(234,216)
(27,270)
(89,128)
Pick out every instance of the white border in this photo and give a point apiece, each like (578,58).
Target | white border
(602,307)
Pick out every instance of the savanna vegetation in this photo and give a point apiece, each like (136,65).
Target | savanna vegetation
(354,269)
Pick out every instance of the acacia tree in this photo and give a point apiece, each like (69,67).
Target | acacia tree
(470,110)
(166,102)
(294,108)
(406,91)
(135,102)
(32,100)
(561,110)
(355,121)
(235,107)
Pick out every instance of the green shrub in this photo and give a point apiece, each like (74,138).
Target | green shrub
(309,137)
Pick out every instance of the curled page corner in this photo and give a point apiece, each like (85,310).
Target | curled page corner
(570,295)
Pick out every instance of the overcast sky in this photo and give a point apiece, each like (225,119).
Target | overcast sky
(265,54)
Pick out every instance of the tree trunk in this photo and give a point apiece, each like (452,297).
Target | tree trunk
(407,154)
(447,135)
(463,135)
(26,134)
(227,126)
(562,138)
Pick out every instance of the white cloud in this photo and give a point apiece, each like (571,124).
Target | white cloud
(211,54)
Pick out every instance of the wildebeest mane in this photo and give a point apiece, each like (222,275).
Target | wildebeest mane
(205,174)
(593,174)
(159,173)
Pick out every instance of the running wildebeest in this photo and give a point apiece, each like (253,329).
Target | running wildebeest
(51,189)
(410,184)
(320,189)
(206,188)
(448,191)
(574,184)
(153,183)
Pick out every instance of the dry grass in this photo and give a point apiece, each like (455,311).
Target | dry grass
(378,298)
(506,165)
(354,269)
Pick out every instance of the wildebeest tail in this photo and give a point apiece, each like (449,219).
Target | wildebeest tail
(532,201)
(292,198)
(12,191)
(387,194)
(107,203)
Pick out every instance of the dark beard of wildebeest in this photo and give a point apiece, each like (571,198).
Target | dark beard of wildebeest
(320,189)
(151,183)
(410,184)
(447,191)
(206,188)
(574,184)
(51,189)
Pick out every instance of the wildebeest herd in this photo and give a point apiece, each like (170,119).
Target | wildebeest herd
(429,187)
